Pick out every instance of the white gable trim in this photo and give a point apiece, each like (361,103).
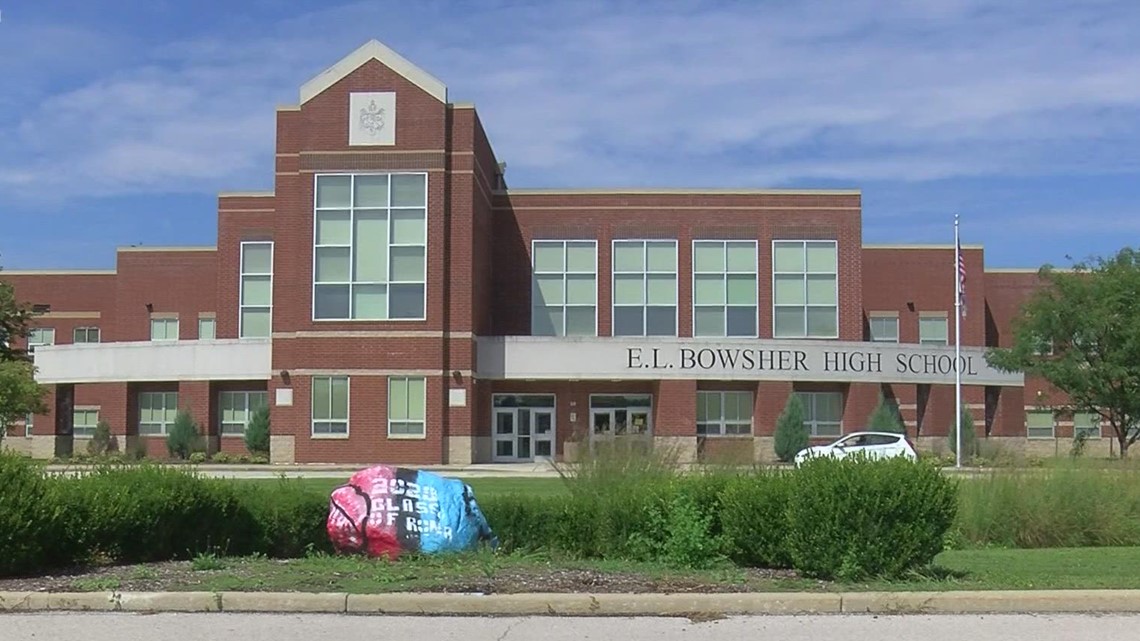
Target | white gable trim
(373,50)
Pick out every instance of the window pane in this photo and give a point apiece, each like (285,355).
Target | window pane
(629,257)
(741,256)
(932,329)
(708,321)
(340,398)
(370,302)
(580,289)
(829,407)
(743,406)
(661,321)
(628,289)
(822,322)
(581,321)
(661,289)
(661,256)
(789,322)
(789,290)
(416,399)
(407,264)
(548,290)
(708,257)
(334,191)
(546,321)
(1039,420)
(255,323)
(397,399)
(409,226)
(206,329)
(708,289)
(788,257)
(408,190)
(332,264)
(548,257)
(321,398)
(581,257)
(257,258)
(741,321)
(741,289)
(406,301)
(821,290)
(330,301)
(628,321)
(334,227)
(371,260)
(821,257)
(371,191)
(256,290)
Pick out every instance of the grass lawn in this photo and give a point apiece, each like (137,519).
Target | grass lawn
(540,486)
(993,569)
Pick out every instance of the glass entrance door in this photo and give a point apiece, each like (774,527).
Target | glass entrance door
(620,420)
(523,433)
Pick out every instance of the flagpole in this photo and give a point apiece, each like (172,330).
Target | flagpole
(957,345)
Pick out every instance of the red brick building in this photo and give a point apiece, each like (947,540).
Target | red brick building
(392,300)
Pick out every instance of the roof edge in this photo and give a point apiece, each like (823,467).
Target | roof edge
(171,248)
(246,194)
(57,272)
(677,190)
(919,246)
(373,50)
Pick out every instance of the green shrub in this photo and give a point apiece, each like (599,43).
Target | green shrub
(100,442)
(197,458)
(257,432)
(183,438)
(856,518)
(885,418)
(969,437)
(791,434)
(222,458)
(753,516)
(33,529)
(291,519)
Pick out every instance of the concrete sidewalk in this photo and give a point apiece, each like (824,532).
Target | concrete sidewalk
(582,604)
(321,470)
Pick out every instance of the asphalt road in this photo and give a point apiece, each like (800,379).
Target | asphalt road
(297,627)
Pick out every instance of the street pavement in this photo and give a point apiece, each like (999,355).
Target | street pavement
(66,626)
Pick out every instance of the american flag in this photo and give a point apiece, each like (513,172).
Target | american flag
(961,278)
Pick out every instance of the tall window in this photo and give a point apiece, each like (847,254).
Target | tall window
(157,411)
(164,329)
(1087,423)
(805,283)
(884,329)
(83,423)
(932,330)
(40,336)
(29,424)
(407,403)
(256,297)
(645,288)
(724,413)
(564,296)
(724,288)
(330,406)
(1039,424)
(207,329)
(238,408)
(370,252)
(823,412)
(85,335)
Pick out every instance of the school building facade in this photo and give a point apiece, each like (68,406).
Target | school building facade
(393,300)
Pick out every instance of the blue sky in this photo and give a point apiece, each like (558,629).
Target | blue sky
(121,120)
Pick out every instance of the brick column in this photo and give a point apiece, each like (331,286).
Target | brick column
(859,401)
(675,417)
(194,397)
(770,400)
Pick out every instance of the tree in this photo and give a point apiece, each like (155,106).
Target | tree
(20,395)
(14,319)
(969,436)
(1081,332)
(182,440)
(257,433)
(886,418)
(791,433)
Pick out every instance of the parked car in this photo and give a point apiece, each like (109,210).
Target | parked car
(872,444)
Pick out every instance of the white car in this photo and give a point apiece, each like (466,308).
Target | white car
(873,444)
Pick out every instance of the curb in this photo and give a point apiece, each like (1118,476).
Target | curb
(583,604)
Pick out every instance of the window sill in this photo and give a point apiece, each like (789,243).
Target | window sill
(727,436)
(328,437)
(407,437)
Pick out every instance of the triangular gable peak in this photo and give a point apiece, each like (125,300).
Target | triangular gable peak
(374,50)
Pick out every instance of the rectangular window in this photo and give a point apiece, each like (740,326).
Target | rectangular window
(330,406)
(1087,423)
(884,329)
(724,413)
(85,335)
(407,401)
(29,424)
(164,329)
(645,288)
(805,289)
(255,300)
(564,292)
(725,290)
(823,412)
(40,336)
(157,411)
(370,247)
(207,329)
(237,408)
(1039,424)
(83,423)
(932,330)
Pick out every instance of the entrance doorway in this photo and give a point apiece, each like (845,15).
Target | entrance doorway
(523,427)
(621,421)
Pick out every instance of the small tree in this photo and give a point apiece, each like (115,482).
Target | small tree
(969,437)
(100,442)
(20,394)
(791,433)
(257,433)
(182,440)
(14,319)
(886,418)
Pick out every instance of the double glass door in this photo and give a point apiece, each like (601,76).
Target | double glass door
(620,420)
(523,434)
